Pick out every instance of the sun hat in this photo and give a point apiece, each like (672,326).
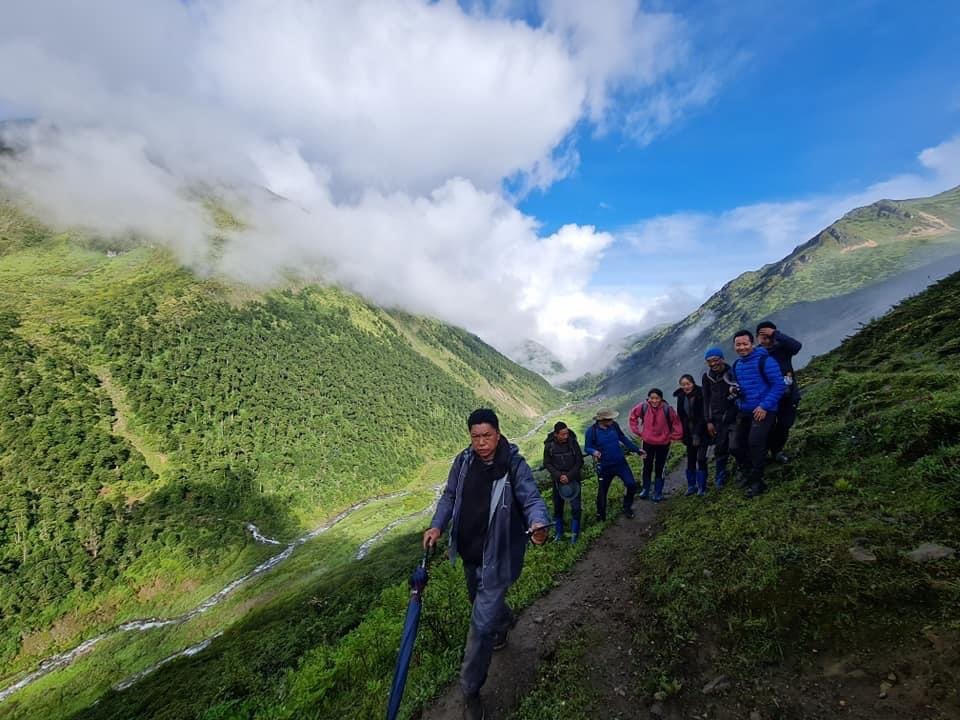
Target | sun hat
(606,414)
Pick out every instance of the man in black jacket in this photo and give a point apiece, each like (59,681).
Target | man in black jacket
(563,459)
(719,390)
(782,348)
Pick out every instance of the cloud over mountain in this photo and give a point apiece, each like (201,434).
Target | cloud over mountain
(391,127)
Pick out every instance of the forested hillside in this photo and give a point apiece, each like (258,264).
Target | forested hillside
(146,416)
(824,290)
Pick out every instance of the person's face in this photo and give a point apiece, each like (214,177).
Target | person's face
(742,345)
(686,385)
(605,423)
(484,438)
(563,435)
(654,400)
(714,363)
(765,337)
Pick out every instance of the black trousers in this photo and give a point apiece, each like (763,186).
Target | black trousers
(654,461)
(786,416)
(697,456)
(750,444)
(721,443)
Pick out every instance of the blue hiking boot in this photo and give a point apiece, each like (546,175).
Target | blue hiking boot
(721,479)
(574,531)
(644,493)
(701,482)
(691,483)
(558,528)
(658,490)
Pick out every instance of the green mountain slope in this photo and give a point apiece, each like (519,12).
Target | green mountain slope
(850,272)
(801,603)
(148,415)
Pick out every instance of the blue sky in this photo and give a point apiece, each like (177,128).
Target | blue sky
(560,170)
(822,101)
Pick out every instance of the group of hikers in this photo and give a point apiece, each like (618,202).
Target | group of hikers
(492,504)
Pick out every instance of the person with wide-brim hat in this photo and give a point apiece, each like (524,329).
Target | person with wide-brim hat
(608,445)
(563,459)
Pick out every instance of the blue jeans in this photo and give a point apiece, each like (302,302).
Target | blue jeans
(607,473)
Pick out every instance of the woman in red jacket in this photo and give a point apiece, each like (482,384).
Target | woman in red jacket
(657,425)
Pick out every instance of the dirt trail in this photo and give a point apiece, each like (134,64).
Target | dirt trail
(596,595)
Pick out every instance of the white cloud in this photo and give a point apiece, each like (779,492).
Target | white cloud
(392,126)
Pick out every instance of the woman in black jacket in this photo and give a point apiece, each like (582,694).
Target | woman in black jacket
(692,415)
(563,459)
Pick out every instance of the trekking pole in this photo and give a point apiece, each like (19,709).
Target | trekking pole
(418,581)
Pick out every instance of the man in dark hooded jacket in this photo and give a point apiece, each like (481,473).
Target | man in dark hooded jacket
(493,506)
(781,348)
(719,390)
(563,459)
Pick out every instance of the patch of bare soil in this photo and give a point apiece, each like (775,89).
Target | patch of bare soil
(910,679)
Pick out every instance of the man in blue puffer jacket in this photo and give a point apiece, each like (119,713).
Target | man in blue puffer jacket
(761,387)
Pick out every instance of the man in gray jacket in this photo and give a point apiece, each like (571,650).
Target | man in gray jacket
(492,505)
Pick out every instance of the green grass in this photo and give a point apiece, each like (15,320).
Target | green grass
(877,457)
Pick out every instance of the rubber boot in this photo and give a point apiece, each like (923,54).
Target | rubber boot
(644,493)
(701,482)
(691,483)
(558,528)
(574,531)
(658,490)
(721,479)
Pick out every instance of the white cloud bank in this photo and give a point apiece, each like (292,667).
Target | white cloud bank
(390,125)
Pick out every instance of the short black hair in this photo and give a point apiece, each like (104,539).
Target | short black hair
(655,391)
(765,324)
(687,376)
(483,415)
(740,333)
(560,425)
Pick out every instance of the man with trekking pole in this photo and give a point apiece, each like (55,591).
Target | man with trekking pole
(492,505)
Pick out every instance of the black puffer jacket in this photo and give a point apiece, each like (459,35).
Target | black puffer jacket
(562,458)
(690,410)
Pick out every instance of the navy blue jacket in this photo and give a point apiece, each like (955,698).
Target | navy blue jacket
(756,389)
(608,443)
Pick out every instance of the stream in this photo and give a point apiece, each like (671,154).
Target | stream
(66,658)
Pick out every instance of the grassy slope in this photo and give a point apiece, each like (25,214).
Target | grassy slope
(748,583)
(863,248)
(75,307)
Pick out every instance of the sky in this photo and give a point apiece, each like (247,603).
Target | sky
(555,170)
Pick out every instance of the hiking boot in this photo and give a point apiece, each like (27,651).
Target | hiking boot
(473,707)
(701,483)
(558,528)
(574,532)
(691,483)
(781,458)
(721,478)
(644,493)
(658,490)
(758,488)
(629,513)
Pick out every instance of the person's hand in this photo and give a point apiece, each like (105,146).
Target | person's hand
(430,538)
(564,479)
(759,414)
(538,534)
(596,454)
(765,333)
(711,429)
